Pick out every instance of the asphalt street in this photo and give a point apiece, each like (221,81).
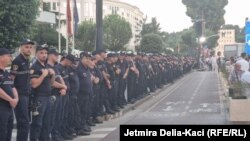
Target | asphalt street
(193,99)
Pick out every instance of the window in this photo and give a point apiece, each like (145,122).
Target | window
(54,5)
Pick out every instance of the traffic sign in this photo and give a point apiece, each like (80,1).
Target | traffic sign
(247,45)
(247,35)
(247,30)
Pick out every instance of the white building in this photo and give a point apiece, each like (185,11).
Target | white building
(226,36)
(87,11)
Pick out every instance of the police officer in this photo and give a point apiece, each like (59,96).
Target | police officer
(132,81)
(123,64)
(106,85)
(59,89)
(42,79)
(8,97)
(62,125)
(74,110)
(85,90)
(98,80)
(20,71)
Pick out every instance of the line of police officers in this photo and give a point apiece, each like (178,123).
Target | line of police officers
(67,97)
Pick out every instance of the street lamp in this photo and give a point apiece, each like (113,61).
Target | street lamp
(204,39)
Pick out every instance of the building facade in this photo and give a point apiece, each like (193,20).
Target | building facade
(87,12)
(226,36)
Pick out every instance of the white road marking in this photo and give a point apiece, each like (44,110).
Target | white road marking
(169,108)
(175,87)
(204,105)
(104,129)
(94,136)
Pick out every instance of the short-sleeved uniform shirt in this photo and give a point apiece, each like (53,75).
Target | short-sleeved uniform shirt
(63,71)
(6,84)
(44,89)
(84,75)
(73,81)
(55,91)
(20,68)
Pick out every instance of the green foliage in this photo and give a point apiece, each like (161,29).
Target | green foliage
(45,33)
(239,32)
(152,27)
(85,37)
(211,10)
(210,42)
(151,43)
(173,39)
(16,19)
(188,37)
(117,32)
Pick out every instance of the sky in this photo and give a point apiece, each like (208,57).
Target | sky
(171,14)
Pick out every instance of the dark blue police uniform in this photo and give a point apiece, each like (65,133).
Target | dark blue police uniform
(20,68)
(41,123)
(74,111)
(63,123)
(55,106)
(85,91)
(6,111)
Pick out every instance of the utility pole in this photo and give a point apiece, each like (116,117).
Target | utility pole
(99,24)
(59,27)
(200,29)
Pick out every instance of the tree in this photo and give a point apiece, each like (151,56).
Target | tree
(188,37)
(45,33)
(151,43)
(117,32)
(85,37)
(152,27)
(210,42)
(16,19)
(212,11)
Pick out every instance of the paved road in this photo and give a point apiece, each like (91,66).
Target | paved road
(194,99)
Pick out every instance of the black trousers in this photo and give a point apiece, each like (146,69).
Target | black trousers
(6,123)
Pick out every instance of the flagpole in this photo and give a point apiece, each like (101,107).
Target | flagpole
(73,36)
(59,28)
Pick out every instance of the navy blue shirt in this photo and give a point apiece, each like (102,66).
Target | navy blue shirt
(20,68)
(6,84)
(55,91)
(44,89)
(73,81)
(86,85)
(97,73)
(111,72)
(63,71)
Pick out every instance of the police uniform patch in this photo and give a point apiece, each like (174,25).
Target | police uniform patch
(15,67)
(85,74)
(31,71)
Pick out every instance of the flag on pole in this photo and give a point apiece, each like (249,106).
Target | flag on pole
(76,18)
(69,19)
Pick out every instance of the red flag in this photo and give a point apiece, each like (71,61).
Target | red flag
(69,19)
